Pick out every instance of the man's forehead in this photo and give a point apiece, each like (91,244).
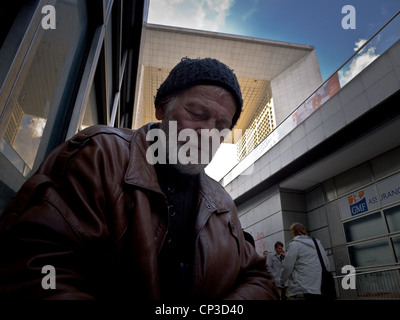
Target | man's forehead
(209,88)
(206,96)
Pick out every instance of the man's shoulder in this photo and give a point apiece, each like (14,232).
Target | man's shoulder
(296,241)
(96,130)
(91,144)
(301,242)
(274,256)
(217,189)
(213,183)
(216,194)
(98,140)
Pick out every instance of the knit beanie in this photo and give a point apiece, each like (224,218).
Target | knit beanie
(190,72)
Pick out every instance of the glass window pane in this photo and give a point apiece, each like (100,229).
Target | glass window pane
(371,254)
(8,13)
(365,227)
(40,93)
(392,216)
(91,117)
(396,247)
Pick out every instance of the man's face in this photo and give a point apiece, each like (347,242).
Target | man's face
(199,107)
(279,249)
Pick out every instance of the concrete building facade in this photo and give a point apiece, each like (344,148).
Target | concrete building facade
(338,173)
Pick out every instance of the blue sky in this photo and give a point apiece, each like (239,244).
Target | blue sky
(311,22)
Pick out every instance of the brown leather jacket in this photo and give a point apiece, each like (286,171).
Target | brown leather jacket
(95,211)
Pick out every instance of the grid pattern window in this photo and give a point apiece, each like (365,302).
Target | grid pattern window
(260,128)
(374,239)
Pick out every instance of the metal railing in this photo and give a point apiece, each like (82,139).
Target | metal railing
(382,40)
(382,284)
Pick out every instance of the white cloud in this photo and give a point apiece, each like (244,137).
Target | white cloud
(194,14)
(29,137)
(359,62)
(36,126)
(359,44)
(251,10)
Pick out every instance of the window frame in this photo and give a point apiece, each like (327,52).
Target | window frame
(388,236)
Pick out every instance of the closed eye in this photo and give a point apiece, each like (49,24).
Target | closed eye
(198,115)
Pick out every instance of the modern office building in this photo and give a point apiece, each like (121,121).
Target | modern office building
(275,77)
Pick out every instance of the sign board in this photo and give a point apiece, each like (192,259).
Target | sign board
(371,198)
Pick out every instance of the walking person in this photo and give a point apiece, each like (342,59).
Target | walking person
(301,265)
(265,255)
(274,265)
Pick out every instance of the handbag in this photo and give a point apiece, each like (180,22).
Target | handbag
(328,289)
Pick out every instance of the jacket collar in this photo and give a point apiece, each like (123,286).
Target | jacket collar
(142,174)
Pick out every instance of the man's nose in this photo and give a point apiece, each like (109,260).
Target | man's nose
(213,123)
(207,124)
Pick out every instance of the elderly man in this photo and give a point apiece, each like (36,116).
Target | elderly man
(101,219)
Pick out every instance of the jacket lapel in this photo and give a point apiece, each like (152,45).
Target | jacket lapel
(140,173)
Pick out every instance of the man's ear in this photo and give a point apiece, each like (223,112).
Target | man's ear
(160,111)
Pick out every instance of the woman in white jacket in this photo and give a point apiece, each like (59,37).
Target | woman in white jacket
(301,265)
